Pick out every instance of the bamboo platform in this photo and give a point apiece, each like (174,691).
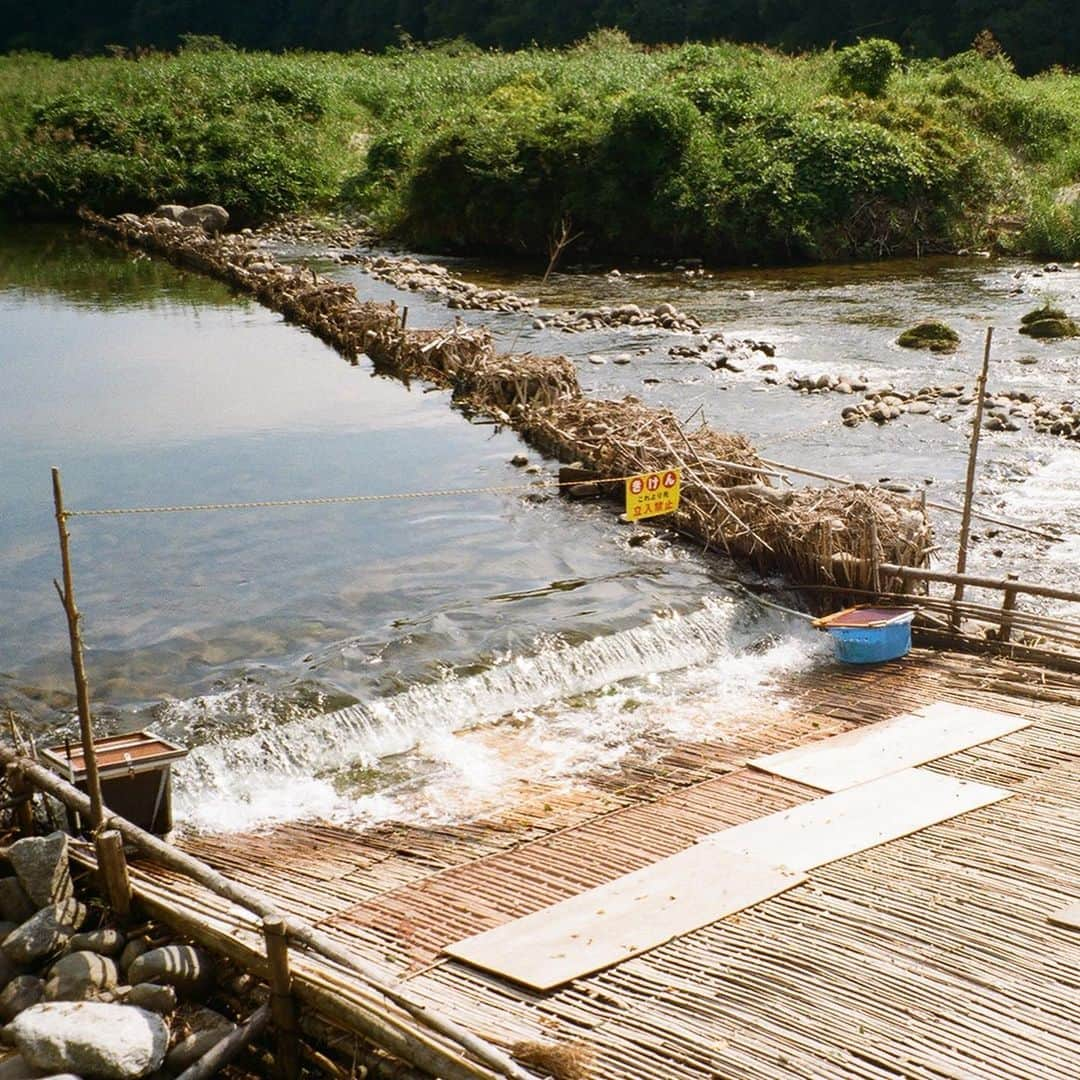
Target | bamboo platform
(929,956)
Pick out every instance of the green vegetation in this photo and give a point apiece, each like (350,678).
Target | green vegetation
(726,152)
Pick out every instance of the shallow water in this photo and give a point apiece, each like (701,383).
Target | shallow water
(483,643)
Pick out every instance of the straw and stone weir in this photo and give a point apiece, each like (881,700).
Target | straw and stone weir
(950,947)
(824,537)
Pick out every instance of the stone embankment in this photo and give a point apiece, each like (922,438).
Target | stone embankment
(82,997)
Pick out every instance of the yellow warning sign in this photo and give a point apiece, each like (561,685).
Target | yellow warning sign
(652,493)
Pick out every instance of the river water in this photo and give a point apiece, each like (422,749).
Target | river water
(486,641)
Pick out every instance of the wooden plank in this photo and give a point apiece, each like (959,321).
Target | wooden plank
(876,750)
(1068,917)
(823,830)
(624,918)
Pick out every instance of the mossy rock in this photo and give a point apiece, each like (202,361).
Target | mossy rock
(1044,312)
(1051,328)
(932,335)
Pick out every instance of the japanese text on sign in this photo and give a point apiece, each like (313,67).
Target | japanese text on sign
(652,493)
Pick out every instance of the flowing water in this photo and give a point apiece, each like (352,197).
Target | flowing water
(428,658)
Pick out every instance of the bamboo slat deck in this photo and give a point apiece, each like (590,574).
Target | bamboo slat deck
(929,956)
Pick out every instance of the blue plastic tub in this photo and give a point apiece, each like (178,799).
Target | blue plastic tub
(873,644)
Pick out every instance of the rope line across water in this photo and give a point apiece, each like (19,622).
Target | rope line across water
(329,500)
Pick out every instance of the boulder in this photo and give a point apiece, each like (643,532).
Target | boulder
(932,335)
(41,865)
(15,905)
(158,999)
(107,942)
(19,994)
(170,212)
(17,1067)
(209,217)
(208,1028)
(188,969)
(91,1039)
(44,933)
(78,975)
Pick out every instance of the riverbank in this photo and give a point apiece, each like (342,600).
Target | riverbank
(730,154)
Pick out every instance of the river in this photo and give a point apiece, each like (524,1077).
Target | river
(486,640)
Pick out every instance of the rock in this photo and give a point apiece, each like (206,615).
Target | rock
(170,212)
(132,951)
(208,1028)
(19,994)
(158,999)
(1048,322)
(919,407)
(46,932)
(91,1039)
(932,335)
(519,461)
(75,976)
(622,358)
(41,865)
(106,942)
(208,216)
(188,969)
(598,360)
(8,970)
(15,905)
(17,1067)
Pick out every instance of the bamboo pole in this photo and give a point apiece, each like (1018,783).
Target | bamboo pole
(257,902)
(998,584)
(281,1002)
(219,1055)
(969,482)
(82,692)
(1008,606)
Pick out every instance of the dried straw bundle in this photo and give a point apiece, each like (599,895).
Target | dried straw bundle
(814,536)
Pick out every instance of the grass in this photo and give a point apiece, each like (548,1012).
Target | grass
(732,153)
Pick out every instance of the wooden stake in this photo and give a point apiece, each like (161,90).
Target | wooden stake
(67,598)
(404,316)
(1008,606)
(24,811)
(114,872)
(969,484)
(282,1008)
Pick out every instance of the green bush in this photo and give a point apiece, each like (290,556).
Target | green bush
(865,68)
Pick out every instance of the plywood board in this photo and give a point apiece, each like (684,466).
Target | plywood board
(875,750)
(820,831)
(1068,917)
(624,918)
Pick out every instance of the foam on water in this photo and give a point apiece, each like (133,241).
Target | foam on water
(471,741)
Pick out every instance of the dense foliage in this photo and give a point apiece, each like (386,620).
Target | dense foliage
(1036,33)
(725,152)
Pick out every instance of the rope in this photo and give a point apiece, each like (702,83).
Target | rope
(330,500)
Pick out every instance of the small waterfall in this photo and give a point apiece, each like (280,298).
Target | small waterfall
(283,770)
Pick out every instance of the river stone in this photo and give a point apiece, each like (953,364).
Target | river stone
(41,865)
(74,977)
(132,951)
(19,994)
(46,932)
(15,905)
(210,217)
(189,969)
(91,1039)
(170,212)
(17,1067)
(150,996)
(208,1028)
(107,942)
